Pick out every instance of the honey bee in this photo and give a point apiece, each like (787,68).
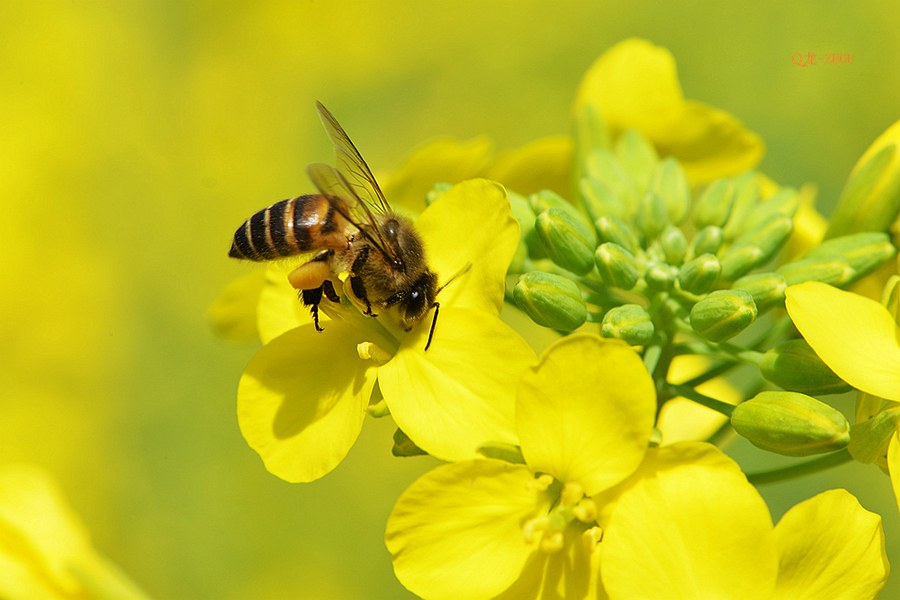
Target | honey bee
(353,230)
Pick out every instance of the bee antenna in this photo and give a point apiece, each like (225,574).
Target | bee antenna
(459,273)
(437,306)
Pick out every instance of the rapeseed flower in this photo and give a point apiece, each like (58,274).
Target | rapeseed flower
(303,397)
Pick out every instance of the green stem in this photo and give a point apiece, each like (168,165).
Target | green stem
(811,466)
(702,399)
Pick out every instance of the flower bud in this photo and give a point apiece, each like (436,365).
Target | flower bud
(769,236)
(723,314)
(660,277)
(864,251)
(746,200)
(612,229)
(602,165)
(698,276)
(567,241)
(550,300)
(767,289)
(871,199)
(616,266)
(870,438)
(546,199)
(795,366)
(833,271)
(791,424)
(591,132)
(707,241)
(673,244)
(521,212)
(671,184)
(714,205)
(652,215)
(598,200)
(638,157)
(630,323)
(737,260)
(785,203)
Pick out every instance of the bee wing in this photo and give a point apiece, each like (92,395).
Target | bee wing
(333,184)
(351,163)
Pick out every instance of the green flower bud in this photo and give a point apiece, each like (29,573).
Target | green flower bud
(630,323)
(652,215)
(591,132)
(698,276)
(785,203)
(598,199)
(869,439)
(436,191)
(769,236)
(567,241)
(660,277)
(871,199)
(522,213)
(791,424)
(508,452)
(602,165)
(707,241)
(613,229)
(671,184)
(767,289)
(723,314)
(714,205)
(546,199)
(746,200)
(864,251)
(403,446)
(638,157)
(673,244)
(616,266)
(834,271)
(550,300)
(796,367)
(738,260)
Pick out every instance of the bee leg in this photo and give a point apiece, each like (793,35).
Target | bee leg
(356,282)
(311,274)
(437,305)
(312,298)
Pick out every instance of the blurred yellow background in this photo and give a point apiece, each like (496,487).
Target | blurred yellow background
(136,136)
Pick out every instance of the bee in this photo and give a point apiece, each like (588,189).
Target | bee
(352,229)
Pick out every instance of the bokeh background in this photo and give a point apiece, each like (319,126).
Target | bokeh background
(136,136)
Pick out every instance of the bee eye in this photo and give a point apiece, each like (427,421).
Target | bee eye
(415,304)
(390,228)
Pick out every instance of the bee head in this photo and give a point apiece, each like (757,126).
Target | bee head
(420,298)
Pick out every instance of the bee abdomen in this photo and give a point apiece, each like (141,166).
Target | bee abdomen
(286,228)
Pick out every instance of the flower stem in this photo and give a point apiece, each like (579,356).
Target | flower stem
(702,399)
(811,466)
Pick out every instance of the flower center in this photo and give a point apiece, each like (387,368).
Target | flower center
(572,508)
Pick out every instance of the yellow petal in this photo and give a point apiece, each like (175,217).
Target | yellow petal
(438,161)
(44,548)
(585,412)
(686,530)
(302,399)
(855,336)
(471,225)
(830,548)
(280,309)
(233,313)
(634,85)
(457,531)
(544,164)
(893,459)
(460,393)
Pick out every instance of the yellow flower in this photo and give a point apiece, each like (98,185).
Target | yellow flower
(689,525)
(45,551)
(303,397)
(634,85)
(479,528)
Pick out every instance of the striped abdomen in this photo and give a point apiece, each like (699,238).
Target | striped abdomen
(289,227)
